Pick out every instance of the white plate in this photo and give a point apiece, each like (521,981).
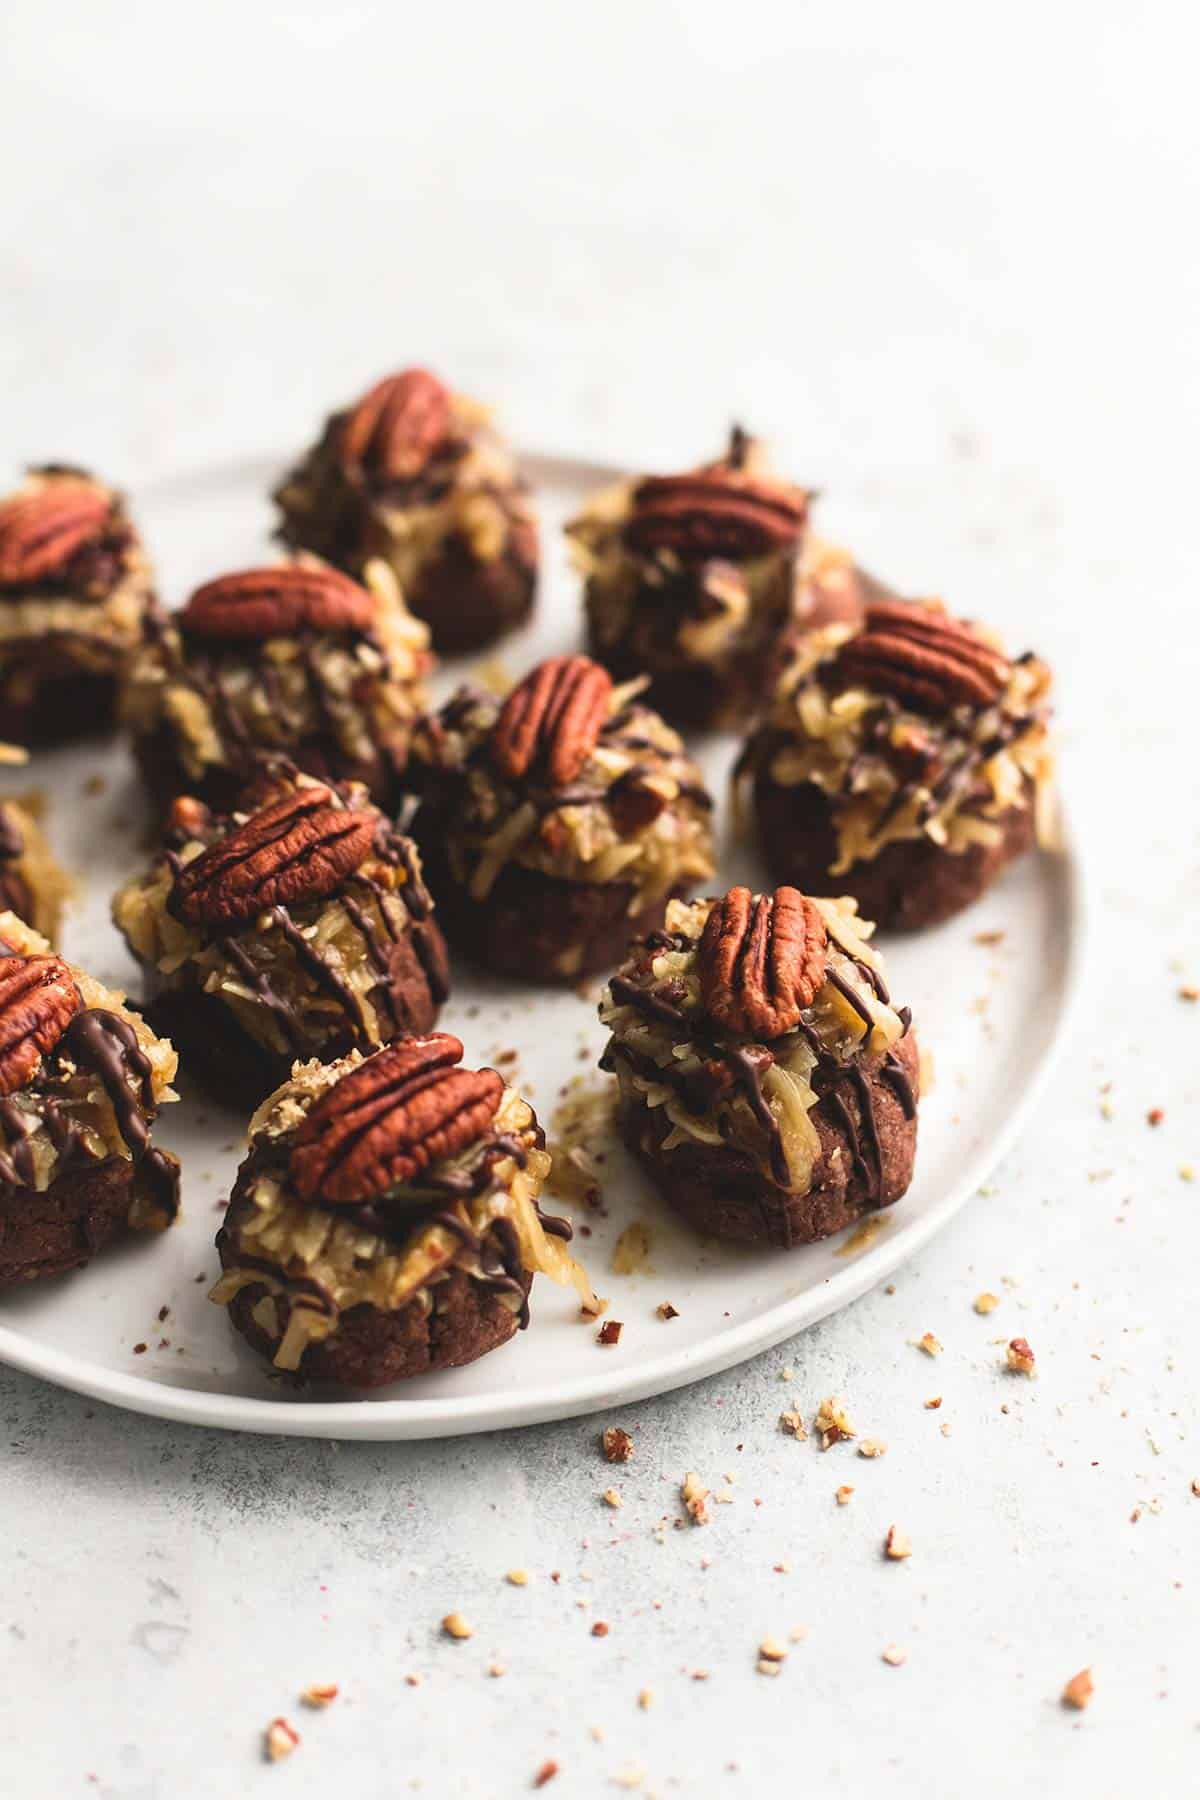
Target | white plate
(990,1015)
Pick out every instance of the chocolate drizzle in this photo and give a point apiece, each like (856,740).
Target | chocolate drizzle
(106,1046)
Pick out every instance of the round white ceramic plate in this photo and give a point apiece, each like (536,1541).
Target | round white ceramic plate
(990,993)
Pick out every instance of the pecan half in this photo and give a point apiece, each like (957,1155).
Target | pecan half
(38,1000)
(397,426)
(923,658)
(301,847)
(553,719)
(266,603)
(761,960)
(706,515)
(41,531)
(406,1107)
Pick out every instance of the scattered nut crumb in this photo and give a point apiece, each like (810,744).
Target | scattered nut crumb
(546,1773)
(612,1498)
(986,1303)
(1020,1357)
(1155,1116)
(646,1699)
(616,1444)
(793,1424)
(1196,1486)
(892,1653)
(413,1680)
(872,1447)
(599,1629)
(932,1405)
(517,1578)
(842,1494)
(1190,994)
(610,1332)
(1187,1172)
(988,938)
(1079,1690)
(832,1422)
(320,1694)
(771,1656)
(455,1626)
(665,1310)
(798,1633)
(695,1499)
(896,1544)
(279,1740)
(497,1669)
(929,1344)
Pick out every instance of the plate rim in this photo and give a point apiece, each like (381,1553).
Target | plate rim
(414,1420)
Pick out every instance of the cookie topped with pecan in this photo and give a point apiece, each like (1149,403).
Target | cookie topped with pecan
(693,579)
(296,927)
(81,1081)
(413,475)
(296,662)
(767,1081)
(556,823)
(75,588)
(905,763)
(386,1221)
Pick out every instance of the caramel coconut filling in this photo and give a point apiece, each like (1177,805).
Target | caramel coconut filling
(719,1090)
(92,1097)
(358,690)
(477,1212)
(295,975)
(33,883)
(972,766)
(573,833)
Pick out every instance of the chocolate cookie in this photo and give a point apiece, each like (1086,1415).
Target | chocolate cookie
(81,1081)
(907,766)
(386,1222)
(558,823)
(298,928)
(412,474)
(296,663)
(695,580)
(766,1081)
(75,588)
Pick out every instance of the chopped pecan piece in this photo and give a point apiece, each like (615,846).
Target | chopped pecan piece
(761,960)
(397,426)
(706,515)
(41,531)
(923,658)
(257,604)
(38,1000)
(300,847)
(552,719)
(406,1107)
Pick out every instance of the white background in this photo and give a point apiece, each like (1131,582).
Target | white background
(946,258)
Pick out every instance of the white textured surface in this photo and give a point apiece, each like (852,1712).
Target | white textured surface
(949,261)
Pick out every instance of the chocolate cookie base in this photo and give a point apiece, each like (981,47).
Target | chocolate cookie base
(530,923)
(467,603)
(723,1193)
(913,882)
(56,708)
(240,1072)
(165,777)
(50,1233)
(371,1348)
